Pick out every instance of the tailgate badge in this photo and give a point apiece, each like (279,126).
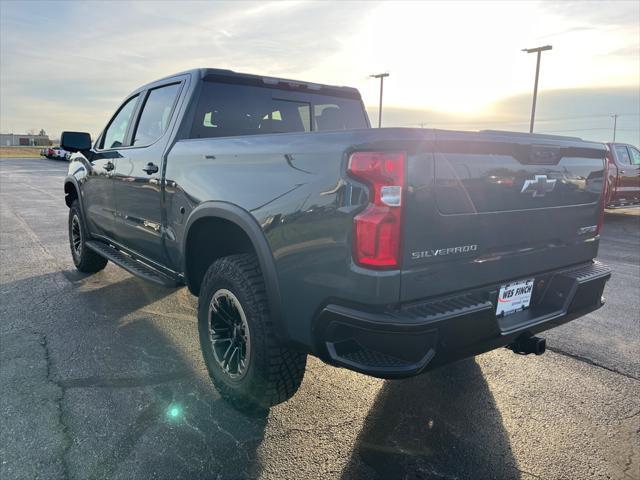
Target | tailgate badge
(539,186)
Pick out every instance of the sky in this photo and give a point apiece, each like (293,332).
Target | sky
(457,65)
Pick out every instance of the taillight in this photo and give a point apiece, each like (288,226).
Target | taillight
(608,163)
(376,242)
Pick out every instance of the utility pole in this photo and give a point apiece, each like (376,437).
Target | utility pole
(537,50)
(615,124)
(381,76)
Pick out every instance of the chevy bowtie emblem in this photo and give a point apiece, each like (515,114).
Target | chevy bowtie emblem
(538,186)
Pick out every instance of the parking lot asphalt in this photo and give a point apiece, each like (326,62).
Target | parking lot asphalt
(101,377)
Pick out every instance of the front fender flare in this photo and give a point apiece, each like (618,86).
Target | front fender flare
(74,181)
(247,222)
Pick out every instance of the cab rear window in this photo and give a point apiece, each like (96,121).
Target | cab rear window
(228,110)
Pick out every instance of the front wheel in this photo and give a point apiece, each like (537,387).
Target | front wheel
(84,259)
(246,364)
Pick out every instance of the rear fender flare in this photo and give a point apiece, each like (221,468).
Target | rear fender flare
(246,221)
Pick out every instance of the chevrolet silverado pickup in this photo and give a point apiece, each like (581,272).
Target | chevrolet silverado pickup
(624,176)
(302,230)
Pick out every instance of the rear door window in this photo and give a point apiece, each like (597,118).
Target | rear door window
(156,114)
(635,155)
(622,154)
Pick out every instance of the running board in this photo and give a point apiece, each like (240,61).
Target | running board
(132,265)
(622,206)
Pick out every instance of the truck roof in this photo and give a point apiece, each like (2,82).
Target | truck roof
(229,76)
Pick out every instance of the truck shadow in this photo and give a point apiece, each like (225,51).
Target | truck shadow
(136,401)
(179,427)
(443,424)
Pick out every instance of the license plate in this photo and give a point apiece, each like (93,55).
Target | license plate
(514,296)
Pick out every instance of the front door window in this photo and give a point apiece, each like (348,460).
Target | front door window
(114,135)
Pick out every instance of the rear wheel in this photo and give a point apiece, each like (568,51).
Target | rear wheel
(84,259)
(246,364)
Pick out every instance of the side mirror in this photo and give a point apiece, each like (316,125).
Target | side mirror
(75,141)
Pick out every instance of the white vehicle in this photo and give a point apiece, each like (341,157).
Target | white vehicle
(57,153)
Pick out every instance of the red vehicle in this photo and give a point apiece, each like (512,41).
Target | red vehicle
(624,175)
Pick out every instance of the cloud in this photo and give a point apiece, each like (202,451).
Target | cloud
(613,13)
(73,63)
(89,55)
(628,51)
(584,113)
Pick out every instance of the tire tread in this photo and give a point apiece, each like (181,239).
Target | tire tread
(90,261)
(281,369)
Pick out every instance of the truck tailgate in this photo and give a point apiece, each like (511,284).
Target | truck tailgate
(488,207)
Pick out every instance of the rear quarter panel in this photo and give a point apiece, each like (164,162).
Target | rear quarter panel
(294,187)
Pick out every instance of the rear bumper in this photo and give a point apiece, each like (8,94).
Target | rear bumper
(415,337)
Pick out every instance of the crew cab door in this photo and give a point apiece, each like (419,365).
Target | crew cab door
(635,164)
(98,189)
(628,162)
(138,174)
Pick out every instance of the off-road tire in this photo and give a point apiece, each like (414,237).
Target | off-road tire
(85,260)
(274,372)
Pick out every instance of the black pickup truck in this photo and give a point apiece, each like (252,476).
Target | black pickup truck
(304,231)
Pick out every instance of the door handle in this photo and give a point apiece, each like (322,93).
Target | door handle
(150,168)
(109,166)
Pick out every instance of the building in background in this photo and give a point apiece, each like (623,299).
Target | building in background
(23,140)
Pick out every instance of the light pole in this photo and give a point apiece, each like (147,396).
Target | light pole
(381,76)
(615,124)
(537,50)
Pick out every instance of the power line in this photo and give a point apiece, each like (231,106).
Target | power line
(590,129)
(589,116)
(578,130)
(586,129)
(472,123)
(510,122)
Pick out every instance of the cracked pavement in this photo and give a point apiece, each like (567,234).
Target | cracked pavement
(92,368)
